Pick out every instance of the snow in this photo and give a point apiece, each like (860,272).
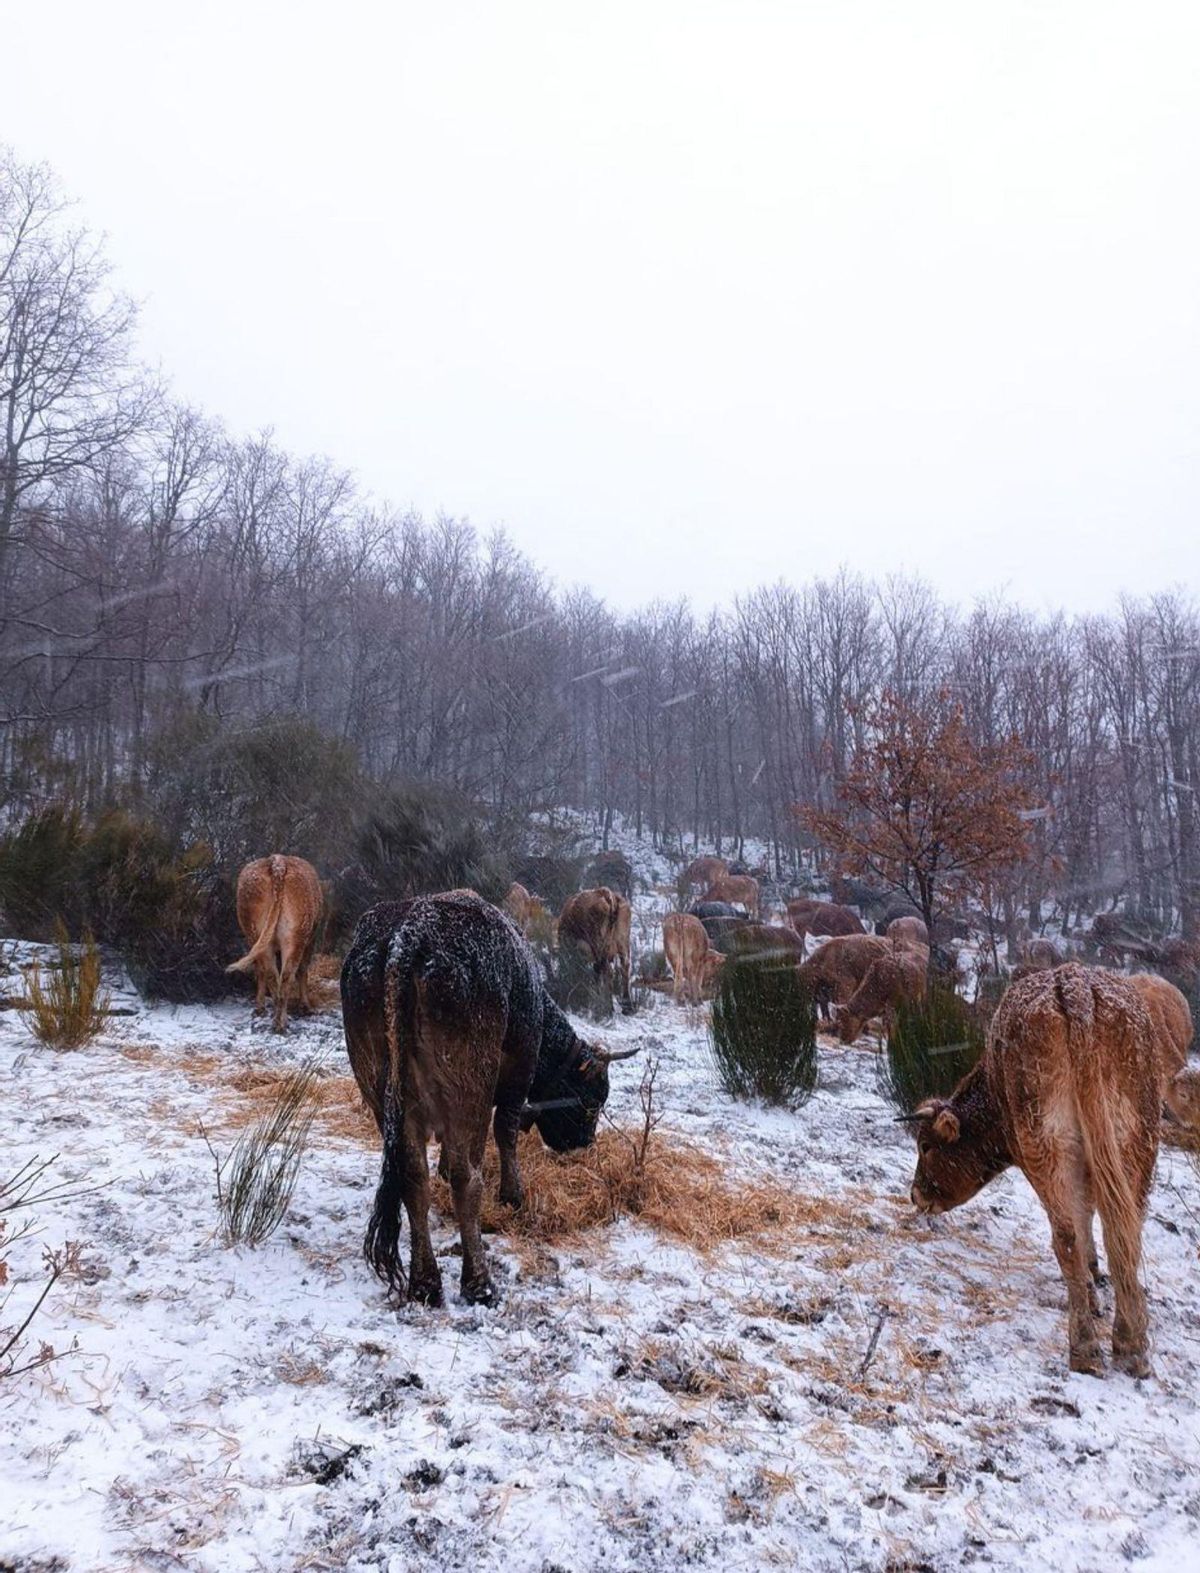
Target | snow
(628,1405)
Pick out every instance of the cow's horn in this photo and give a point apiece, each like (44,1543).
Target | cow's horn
(910,1119)
(609,1055)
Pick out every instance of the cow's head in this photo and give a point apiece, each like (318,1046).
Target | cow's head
(959,1149)
(570,1086)
(714,960)
(1183,1099)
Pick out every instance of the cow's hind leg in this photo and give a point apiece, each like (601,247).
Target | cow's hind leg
(1063,1191)
(1122,1220)
(424,1275)
(260,988)
(466,1184)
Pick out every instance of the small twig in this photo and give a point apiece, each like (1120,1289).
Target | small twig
(55,1275)
(874,1343)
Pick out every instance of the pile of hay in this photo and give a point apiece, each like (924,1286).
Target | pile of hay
(670,1185)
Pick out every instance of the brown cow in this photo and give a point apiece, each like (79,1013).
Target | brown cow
(1183,1098)
(757,941)
(1068,1089)
(822,918)
(701,873)
(693,962)
(1171,1018)
(279,907)
(892,980)
(739,890)
(908,931)
(519,905)
(598,922)
(839,966)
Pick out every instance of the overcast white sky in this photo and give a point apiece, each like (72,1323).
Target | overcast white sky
(687,296)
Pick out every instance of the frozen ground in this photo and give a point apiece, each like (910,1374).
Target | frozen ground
(629,1405)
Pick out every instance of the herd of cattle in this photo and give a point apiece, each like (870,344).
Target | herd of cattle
(450,1029)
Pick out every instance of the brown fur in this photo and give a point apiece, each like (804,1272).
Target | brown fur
(822,918)
(703,872)
(280,904)
(1182,1098)
(908,931)
(599,922)
(518,903)
(1171,1018)
(740,890)
(839,966)
(693,962)
(1069,1090)
(899,977)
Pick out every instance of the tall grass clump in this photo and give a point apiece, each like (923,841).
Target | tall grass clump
(66,1008)
(764,1032)
(931,1047)
(255,1183)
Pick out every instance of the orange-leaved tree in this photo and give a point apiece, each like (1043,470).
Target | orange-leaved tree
(923,807)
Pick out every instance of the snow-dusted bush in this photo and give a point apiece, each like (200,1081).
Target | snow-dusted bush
(931,1047)
(764,1031)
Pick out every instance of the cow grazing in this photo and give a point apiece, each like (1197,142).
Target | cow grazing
(446,1019)
(766,941)
(701,873)
(280,904)
(900,977)
(907,930)
(720,921)
(740,890)
(693,962)
(1171,1019)
(519,905)
(598,923)
(1182,1098)
(833,973)
(822,918)
(1068,1089)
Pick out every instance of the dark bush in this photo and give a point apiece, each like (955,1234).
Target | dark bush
(612,869)
(764,1032)
(574,985)
(37,874)
(931,1047)
(418,839)
(552,876)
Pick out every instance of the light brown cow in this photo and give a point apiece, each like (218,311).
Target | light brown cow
(1183,1098)
(1171,1018)
(821,918)
(279,907)
(908,931)
(739,890)
(693,962)
(518,903)
(892,980)
(598,922)
(839,966)
(701,873)
(1069,1090)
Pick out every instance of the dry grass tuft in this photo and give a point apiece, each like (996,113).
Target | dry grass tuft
(676,1188)
(67,1008)
(338,1109)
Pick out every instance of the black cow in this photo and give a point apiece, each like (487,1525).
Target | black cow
(446,1018)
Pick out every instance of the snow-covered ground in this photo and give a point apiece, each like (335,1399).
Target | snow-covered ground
(628,1405)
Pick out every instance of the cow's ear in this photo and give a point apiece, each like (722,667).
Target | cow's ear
(945,1125)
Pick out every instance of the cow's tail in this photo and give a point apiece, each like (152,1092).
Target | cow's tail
(381,1247)
(266,934)
(1104,1115)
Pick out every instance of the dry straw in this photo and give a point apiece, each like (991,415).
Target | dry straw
(67,1008)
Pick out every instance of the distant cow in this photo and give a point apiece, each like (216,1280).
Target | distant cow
(1068,1090)
(822,918)
(446,1018)
(1037,955)
(839,966)
(693,962)
(720,921)
(908,930)
(758,941)
(898,978)
(279,908)
(738,889)
(701,873)
(519,905)
(598,922)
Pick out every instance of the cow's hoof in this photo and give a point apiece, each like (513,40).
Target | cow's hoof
(514,1196)
(426,1291)
(480,1291)
(1132,1363)
(1088,1360)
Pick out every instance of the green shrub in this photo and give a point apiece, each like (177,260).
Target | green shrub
(553,877)
(421,838)
(764,1032)
(931,1047)
(68,1008)
(38,883)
